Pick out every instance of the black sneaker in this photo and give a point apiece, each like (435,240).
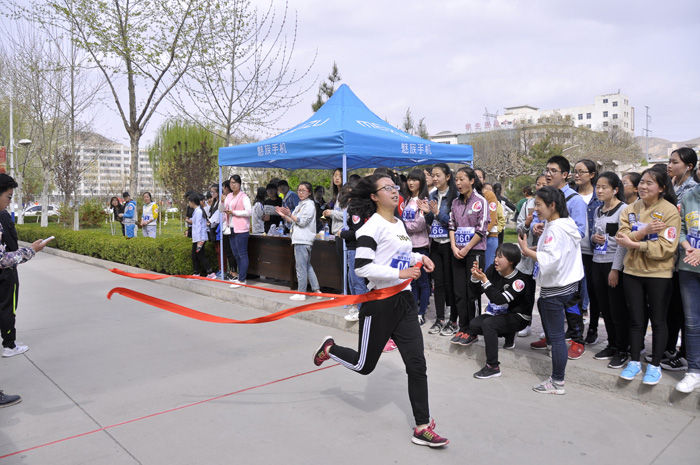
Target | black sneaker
(509,343)
(675,363)
(468,339)
(449,329)
(488,372)
(591,337)
(457,338)
(605,354)
(619,360)
(7,399)
(437,326)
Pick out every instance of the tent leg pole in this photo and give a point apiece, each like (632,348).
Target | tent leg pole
(345,222)
(221,229)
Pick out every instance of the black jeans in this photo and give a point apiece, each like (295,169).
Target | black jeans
(612,305)
(9,294)
(493,327)
(594,303)
(441,255)
(465,291)
(652,294)
(200,262)
(395,317)
(676,318)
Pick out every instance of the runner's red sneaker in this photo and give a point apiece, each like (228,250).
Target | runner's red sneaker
(390,345)
(321,354)
(428,437)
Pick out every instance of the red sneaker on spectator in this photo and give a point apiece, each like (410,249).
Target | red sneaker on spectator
(539,345)
(576,350)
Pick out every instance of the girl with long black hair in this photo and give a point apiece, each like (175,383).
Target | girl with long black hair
(416,216)
(441,250)
(649,230)
(384,257)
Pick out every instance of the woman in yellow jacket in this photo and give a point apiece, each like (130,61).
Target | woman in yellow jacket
(649,230)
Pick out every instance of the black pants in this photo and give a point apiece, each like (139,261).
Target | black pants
(395,317)
(464,289)
(200,262)
(676,318)
(652,294)
(574,318)
(228,254)
(441,255)
(611,301)
(9,294)
(594,303)
(493,327)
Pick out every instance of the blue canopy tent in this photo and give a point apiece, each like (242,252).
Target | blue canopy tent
(342,133)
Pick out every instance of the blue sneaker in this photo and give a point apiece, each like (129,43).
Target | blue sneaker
(631,370)
(652,375)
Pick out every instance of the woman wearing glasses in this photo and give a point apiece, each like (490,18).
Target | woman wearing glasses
(384,257)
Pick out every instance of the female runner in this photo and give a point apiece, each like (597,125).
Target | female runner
(384,257)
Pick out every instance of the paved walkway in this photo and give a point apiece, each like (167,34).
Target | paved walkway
(117,382)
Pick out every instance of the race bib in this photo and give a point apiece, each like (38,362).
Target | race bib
(536,270)
(409,215)
(437,231)
(496,309)
(401,262)
(693,237)
(601,249)
(146,218)
(648,237)
(463,235)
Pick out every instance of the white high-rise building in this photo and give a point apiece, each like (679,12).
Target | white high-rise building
(607,111)
(107,165)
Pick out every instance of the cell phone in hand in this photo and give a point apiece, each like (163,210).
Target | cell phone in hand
(46,241)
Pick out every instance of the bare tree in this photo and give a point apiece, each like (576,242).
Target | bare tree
(242,79)
(145,46)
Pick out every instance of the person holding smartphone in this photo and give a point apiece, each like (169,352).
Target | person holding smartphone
(606,268)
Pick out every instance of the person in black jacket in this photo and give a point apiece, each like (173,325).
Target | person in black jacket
(511,296)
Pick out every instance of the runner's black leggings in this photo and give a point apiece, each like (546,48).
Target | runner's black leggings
(655,294)
(9,293)
(395,317)
(441,255)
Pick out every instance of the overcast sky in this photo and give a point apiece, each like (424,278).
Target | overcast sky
(448,60)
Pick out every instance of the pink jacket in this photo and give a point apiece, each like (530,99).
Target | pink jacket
(239,219)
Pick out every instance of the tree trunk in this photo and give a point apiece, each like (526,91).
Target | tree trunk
(134,136)
(19,214)
(45,199)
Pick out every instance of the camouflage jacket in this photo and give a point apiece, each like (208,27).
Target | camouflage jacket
(10,259)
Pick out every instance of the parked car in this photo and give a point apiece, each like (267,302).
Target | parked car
(35,210)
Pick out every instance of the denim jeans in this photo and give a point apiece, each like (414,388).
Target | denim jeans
(421,286)
(356,284)
(239,247)
(491,247)
(690,293)
(305,273)
(552,315)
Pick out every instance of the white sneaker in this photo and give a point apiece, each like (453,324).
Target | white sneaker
(19,349)
(525,332)
(211,276)
(689,382)
(353,314)
(297,297)
(236,284)
(319,296)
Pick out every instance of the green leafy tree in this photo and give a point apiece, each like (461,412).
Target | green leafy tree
(326,89)
(184,158)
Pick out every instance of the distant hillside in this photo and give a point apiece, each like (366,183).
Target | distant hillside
(659,149)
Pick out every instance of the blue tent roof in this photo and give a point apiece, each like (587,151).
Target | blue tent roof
(343,126)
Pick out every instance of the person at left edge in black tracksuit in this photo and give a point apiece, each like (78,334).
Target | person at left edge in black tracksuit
(384,256)
(511,296)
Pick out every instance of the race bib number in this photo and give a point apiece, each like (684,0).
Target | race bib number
(496,309)
(463,235)
(409,215)
(693,237)
(648,237)
(437,231)
(401,262)
(601,249)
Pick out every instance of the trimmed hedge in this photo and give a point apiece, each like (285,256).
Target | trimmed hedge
(163,255)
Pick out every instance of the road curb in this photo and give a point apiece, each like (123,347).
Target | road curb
(585,371)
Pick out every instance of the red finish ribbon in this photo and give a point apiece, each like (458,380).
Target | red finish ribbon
(337,299)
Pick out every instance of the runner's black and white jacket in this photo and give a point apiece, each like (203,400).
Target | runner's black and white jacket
(507,294)
(383,250)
